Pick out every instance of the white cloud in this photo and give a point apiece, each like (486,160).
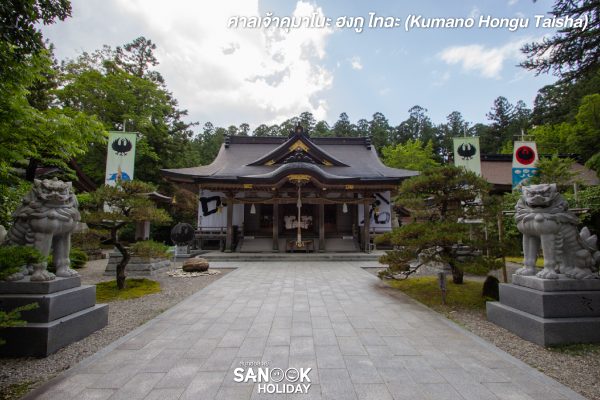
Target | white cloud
(355,63)
(475,12)
(488,61)
(385,91)
(219,74)
(512,2)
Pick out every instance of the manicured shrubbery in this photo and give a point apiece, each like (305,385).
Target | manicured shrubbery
(149,249)
(12,258)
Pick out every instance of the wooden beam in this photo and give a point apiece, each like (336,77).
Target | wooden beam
(276,226)
(229,237)
(366,227)
(321,226)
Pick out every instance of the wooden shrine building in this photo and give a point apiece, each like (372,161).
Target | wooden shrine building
(296,193)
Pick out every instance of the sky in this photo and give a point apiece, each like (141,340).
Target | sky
(230,75)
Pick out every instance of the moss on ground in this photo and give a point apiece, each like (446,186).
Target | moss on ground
(15,391)
(578,349)
(519,260)
(134,288)
(466,296)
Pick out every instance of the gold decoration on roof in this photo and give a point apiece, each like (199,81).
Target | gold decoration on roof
(327,163)
(270,162)
(247,186)
(298,178)
(298,144)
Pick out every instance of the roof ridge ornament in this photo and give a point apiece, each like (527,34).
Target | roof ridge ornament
(298,148)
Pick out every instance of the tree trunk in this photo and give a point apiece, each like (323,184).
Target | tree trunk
(31,169)
(457,274)
(124,260)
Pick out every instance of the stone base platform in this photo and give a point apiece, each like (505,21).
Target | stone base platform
(137,265)
(549,312)
(67,312)
(44,338)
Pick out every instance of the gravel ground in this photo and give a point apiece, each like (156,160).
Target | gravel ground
(577,369)
(123,317)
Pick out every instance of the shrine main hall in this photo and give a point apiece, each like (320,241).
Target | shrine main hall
(300,193)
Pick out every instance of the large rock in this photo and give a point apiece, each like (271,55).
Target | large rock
(195,264)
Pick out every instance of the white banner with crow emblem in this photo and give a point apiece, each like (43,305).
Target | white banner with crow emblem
(467,154)
(120,157)
(525,158)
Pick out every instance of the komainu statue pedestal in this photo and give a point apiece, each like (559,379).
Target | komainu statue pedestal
(549,311)
(67,312)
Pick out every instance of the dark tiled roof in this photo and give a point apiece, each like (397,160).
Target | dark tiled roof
(498,171)
(232,164)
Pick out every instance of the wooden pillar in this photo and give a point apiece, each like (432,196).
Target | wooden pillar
(276,225)
(229,235)
(366,225)
(321,226)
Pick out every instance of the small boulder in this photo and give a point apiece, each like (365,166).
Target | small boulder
(195,264)
(490,288)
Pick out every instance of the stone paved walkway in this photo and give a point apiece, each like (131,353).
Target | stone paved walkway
(360,341)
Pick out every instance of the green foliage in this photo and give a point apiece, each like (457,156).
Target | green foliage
(577,349)
(13,317)
(119,87)
(481,266)
(126,202)
(108,291)
(413,155)
(149,249)
(437,194)
(572,51)
(89,241)
(20,22)
(12,258)
(11,195)
(579,136)
(77,256)
(555,170)
(466,296)
(114,207)
(53,134)
(589,197)
(438,198)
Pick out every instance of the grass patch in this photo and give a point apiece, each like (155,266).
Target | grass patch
(519,260)
(15,391)
(426,290)
(134,288)
(577,349)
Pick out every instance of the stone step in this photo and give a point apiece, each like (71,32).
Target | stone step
(250,257)
(560,304)
(52,306)
(544,331)
(40,339)
(26,286)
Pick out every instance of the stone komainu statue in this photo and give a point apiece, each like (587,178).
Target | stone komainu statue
(543,218)
(47,216)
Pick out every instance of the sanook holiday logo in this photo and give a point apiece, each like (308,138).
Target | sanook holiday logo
(273,380)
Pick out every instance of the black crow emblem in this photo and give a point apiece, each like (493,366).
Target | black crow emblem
(121,146)
(525,155)
(466,151)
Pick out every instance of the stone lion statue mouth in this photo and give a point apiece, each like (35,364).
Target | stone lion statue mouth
(47,216)
(543,217)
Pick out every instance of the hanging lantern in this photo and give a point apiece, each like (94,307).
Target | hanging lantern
(345,208)
(252,209)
